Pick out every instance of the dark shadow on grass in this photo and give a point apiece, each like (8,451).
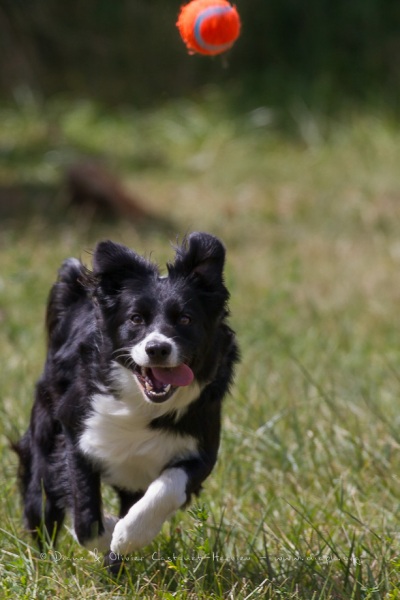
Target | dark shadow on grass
(23,204)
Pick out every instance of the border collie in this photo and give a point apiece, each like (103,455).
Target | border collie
(137,367)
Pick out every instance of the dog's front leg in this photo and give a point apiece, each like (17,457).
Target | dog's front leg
(92,529)
(145,519)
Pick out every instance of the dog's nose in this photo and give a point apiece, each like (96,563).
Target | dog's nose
(158,350)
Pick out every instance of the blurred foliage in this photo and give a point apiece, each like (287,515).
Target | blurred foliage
(130,52)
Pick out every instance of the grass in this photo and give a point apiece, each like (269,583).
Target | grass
(304,501)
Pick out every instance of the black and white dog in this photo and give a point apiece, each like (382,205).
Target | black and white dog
(131,393)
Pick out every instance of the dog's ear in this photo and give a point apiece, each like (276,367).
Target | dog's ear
(117,262)
(201,257)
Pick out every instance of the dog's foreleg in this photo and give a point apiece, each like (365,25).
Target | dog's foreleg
(92,529)
(145,519)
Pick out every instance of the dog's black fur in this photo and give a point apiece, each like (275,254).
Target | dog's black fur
(98,323)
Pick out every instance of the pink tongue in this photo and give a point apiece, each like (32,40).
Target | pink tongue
(178,376)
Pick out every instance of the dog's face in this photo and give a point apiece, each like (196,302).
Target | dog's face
(163,329)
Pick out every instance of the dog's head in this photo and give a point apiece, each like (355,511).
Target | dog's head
(164,329)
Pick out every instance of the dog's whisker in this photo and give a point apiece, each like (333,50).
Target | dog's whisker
(119,356)
(123,354)
(123,349)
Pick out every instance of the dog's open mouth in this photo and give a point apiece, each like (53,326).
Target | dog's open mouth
(160,383)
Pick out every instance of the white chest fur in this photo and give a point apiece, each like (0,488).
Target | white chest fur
(117,434)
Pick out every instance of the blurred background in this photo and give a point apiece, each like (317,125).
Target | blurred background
(288,148)
(111,84)
(128,52)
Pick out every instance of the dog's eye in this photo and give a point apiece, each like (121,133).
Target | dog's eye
(184,320)
(137,319)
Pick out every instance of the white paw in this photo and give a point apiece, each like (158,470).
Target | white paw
(145,519)
(132,533)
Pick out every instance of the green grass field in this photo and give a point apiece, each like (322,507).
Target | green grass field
(304,502)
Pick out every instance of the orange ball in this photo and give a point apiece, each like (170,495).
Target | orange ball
(208,26)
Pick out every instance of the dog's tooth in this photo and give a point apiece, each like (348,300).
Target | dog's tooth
(167,388)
